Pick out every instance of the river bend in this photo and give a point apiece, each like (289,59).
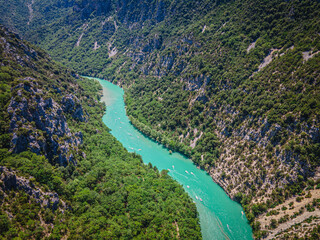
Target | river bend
(220,217)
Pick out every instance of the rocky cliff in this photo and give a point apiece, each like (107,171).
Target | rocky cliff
(38,115)
(62,174)
(11,181)
(232,84)
(39,124)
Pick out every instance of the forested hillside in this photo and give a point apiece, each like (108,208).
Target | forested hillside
(62,174)
(232,84)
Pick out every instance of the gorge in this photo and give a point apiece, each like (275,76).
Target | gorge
(233,85)
(220,218)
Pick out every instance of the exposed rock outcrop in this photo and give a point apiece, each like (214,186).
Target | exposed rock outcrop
(254,167)
(23,54)
(71,105)
(38,123)
(9,180)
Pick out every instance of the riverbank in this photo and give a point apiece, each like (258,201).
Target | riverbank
(219,215)
(161,139)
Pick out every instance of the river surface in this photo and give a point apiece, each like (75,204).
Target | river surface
(220,217)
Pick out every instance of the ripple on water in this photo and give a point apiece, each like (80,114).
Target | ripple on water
(220,217)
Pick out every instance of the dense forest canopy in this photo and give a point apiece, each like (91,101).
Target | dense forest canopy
(62,174)
(234,85)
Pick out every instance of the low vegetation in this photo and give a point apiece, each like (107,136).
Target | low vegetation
(105,192)
(234,85)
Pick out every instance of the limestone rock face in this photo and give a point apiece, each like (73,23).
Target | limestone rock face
(71,104)
(38,123)
(14,52)
(11,181)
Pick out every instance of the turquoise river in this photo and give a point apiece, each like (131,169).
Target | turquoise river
(220,217)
